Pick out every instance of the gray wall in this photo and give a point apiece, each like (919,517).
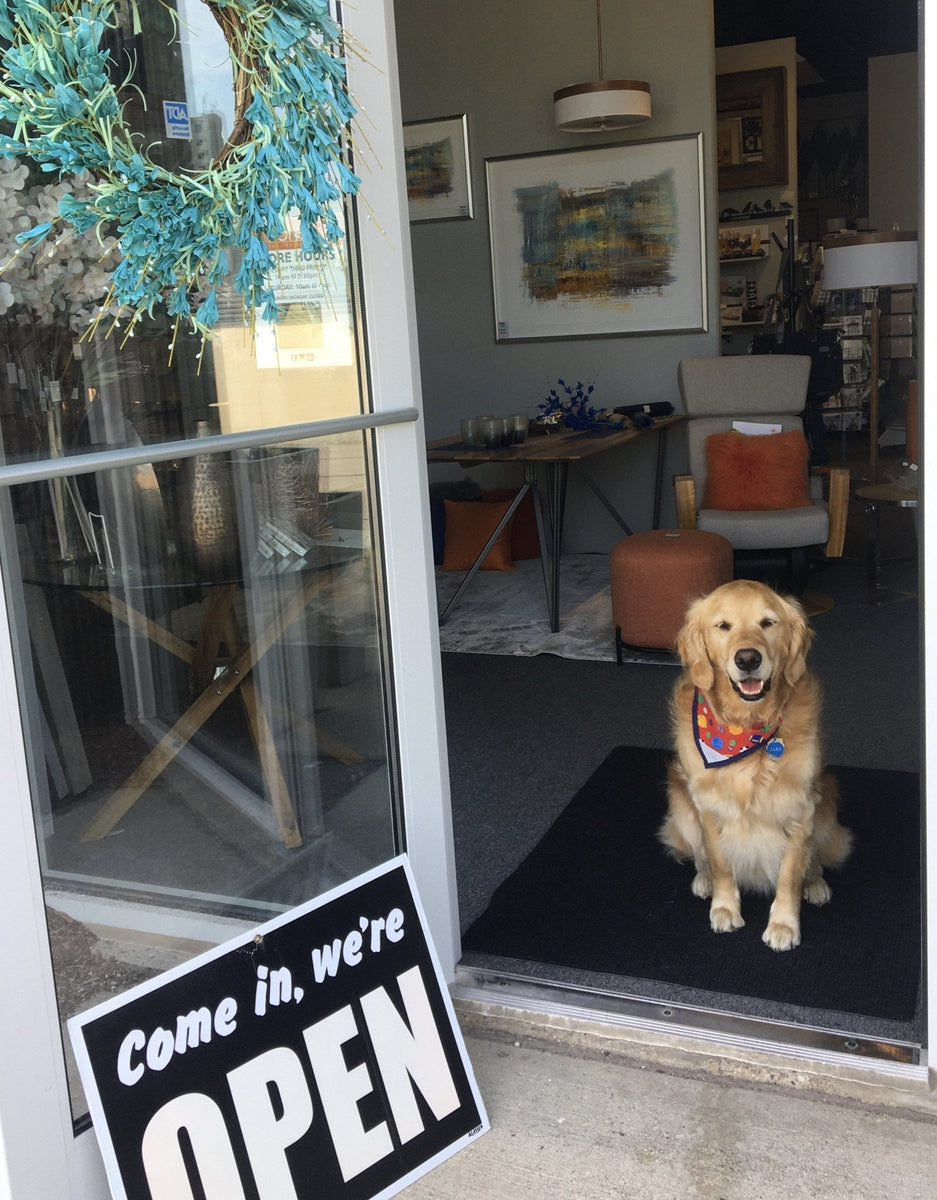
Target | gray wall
(893,142)
(500,64)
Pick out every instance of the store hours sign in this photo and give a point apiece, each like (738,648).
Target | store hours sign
(317,1056)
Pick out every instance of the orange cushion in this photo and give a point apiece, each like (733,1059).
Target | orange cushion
(524,540)
(469,525)
(756,473)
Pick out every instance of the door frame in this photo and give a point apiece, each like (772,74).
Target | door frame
(40,1156)
(542,1001)
(928,574)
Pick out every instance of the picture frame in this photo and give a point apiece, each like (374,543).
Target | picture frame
(641,269)
(436,165)
(751,128)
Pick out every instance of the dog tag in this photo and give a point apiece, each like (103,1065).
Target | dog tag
(775,747)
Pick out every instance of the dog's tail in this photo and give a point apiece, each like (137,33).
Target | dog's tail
(833,841)
(680,832)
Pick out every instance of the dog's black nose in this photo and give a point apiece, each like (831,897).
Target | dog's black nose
(748,660)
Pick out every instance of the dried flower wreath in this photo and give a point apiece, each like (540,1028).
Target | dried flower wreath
(175,230)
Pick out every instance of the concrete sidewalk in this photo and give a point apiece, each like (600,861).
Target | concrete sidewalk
(595,1115)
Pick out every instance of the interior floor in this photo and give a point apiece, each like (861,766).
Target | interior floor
(526,732)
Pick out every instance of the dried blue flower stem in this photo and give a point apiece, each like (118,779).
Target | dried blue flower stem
(574,406)
(176,231)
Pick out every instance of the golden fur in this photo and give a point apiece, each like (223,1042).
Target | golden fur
(760,823)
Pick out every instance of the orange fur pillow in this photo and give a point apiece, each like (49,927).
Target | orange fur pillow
(469,525)
(747,473)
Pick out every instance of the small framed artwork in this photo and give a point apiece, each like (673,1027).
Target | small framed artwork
(599,241)
(751,130)
(436,155)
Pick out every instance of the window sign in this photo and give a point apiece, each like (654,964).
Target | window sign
(316,325)
(317,1056)
(176,116)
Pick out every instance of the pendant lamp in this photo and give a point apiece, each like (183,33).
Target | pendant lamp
(604,103)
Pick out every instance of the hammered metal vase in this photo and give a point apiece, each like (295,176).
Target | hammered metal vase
(285,487)
(209,523)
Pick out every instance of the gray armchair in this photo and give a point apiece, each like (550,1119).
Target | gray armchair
(768,388)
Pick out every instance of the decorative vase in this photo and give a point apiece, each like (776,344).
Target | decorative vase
(208,521)
(285,486)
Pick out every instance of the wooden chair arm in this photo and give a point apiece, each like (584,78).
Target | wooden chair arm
(685,492)
(838,502)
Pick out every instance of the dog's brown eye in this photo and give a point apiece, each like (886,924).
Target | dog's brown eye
(766,623)
(724,625)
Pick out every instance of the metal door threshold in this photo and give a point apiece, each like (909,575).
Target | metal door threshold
(897,1059)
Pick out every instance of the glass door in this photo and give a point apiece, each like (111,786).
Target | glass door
(204,611)
(203,695)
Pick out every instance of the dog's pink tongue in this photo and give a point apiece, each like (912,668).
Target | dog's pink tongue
(751,687)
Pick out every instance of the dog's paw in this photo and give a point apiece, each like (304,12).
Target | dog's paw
(818,892)
(781,936)
(702,885)
(724,919)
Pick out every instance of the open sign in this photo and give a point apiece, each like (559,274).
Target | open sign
(316,1056)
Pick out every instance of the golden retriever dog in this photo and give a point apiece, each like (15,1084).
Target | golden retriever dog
(747,800)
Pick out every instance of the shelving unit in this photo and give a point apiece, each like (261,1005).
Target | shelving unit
(747,279)
(847,410)
(863,315)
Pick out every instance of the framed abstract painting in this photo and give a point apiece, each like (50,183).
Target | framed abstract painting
(436,158)
(597,242)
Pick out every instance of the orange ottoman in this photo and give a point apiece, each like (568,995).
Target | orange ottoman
(655,575)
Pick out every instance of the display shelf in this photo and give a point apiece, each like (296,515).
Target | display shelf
(758,218)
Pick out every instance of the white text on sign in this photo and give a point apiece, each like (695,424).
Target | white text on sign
(274,1104)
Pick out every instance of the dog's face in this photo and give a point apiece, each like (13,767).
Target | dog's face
(744,643)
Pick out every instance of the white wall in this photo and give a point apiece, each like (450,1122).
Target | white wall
(893,141)
(500,64)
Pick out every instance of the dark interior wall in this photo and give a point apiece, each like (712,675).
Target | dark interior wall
(500,64)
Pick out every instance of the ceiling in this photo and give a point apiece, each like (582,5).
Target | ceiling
(836,37)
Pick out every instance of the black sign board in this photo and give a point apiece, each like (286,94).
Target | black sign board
(317,1056)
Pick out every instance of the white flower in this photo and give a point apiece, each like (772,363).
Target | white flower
(67,274)
(13,173)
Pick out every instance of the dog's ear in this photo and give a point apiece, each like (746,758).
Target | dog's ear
(691,646)
(800,637)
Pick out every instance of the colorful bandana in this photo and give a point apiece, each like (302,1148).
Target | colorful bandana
(720,745)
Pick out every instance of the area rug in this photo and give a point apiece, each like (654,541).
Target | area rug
(505,612)
(598,893)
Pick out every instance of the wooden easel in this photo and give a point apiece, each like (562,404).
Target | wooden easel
(219,627)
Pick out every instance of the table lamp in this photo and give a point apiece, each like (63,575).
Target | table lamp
(870,260)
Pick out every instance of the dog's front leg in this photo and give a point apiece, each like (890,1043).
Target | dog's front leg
(725,911)
(783,931)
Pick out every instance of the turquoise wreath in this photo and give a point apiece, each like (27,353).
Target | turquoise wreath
(176,230)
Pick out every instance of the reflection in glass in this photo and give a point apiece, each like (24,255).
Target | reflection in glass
(206,708)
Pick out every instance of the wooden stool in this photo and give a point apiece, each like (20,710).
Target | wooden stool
(655,575)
